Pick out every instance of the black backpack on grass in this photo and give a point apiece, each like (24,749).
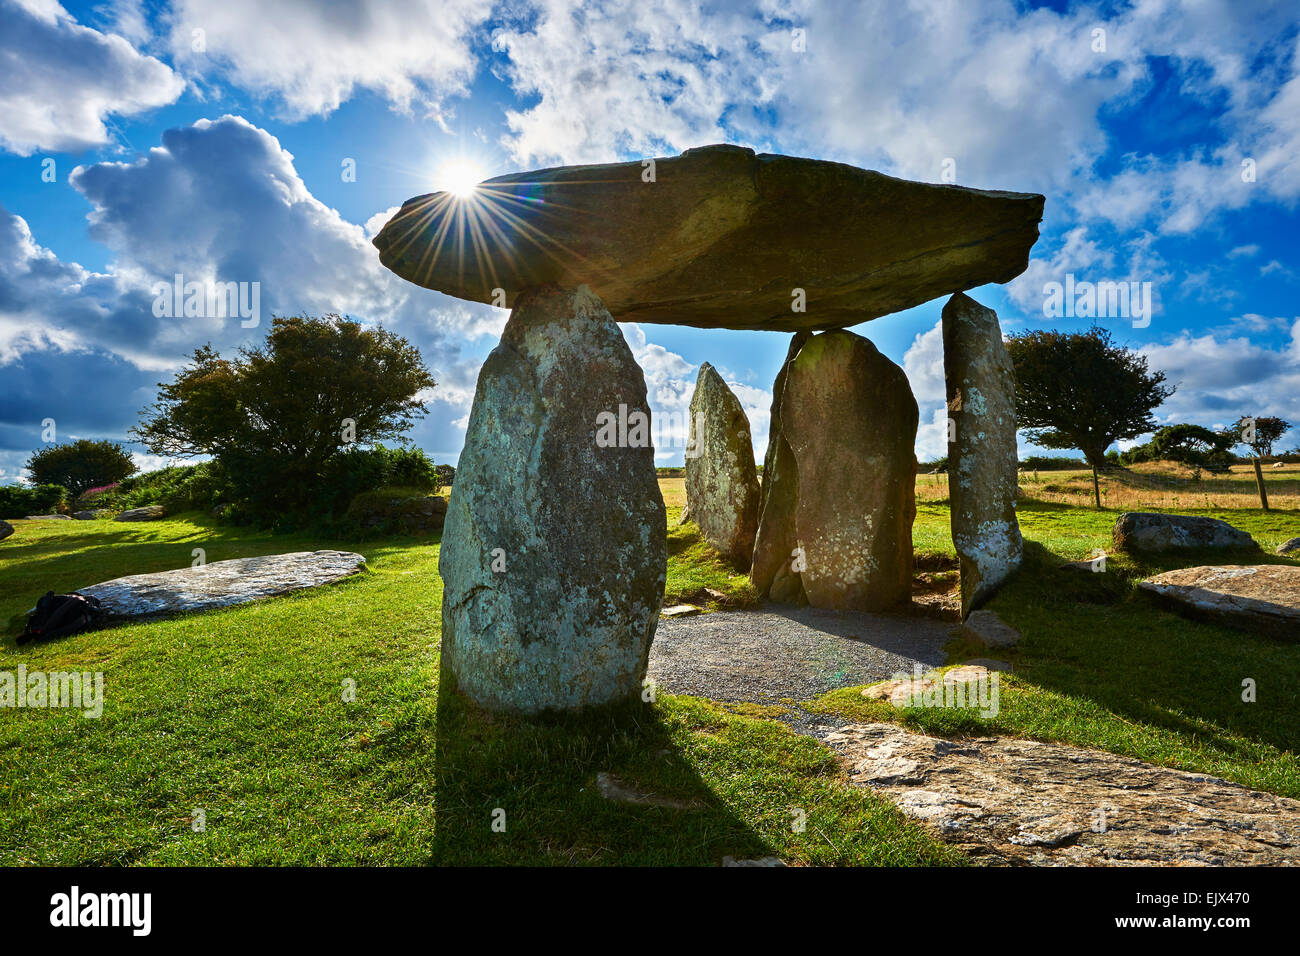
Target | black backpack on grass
(58,615)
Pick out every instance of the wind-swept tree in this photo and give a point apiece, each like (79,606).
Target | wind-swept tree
(273,417)
(1080,390)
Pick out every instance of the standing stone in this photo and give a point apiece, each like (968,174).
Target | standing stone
(771,574)
(6,529)
(982,459)
(721,481)
(554,551)
(849,420)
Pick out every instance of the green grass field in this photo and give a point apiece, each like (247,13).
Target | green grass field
(240,714)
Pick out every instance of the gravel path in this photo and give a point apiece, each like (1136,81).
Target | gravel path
(763,656)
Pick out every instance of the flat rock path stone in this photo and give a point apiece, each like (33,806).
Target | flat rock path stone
(764,656)
(220,584)
(1023,802)
(1003,800)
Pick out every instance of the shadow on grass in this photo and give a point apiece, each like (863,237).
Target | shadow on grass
(512,791)
(1097,637)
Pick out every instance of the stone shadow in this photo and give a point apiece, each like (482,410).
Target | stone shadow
(522,791)
(1116,648)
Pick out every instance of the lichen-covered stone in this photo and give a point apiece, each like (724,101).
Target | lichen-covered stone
(1262,598)
(1157,533)
(982,458)
(849,419)
(220,583)
(718,237)
(554,550)
(777,536)
(721,480)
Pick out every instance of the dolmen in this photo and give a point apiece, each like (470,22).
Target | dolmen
(553,554)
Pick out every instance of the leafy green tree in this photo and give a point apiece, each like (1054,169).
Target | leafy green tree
(275,417)
(80,465)
(1200,448)
(1080,390)
(1259,435)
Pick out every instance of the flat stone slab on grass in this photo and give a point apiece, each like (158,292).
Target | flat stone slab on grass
(221,583)
(798,653)
(1260,598)
(1025,802)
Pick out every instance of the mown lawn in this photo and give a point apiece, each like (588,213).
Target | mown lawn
(240,714)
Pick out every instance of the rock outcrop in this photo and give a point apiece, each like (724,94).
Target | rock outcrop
(1157,533)
(219,584)
(1024,802)
(849,420)
(982,457)
(554,549)
(722,492)
(1263,598)
(717,237)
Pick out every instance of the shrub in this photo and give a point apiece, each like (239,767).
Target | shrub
(359,470)
(178,488)
(18,501)
(394,508)
(1046,463)
(80,464)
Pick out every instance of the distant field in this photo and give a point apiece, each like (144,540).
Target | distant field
(1158,485)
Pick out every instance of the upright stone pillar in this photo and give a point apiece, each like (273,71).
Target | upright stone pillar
(721,480)
(554,550)
(982,459)
(772,573)
(849,421)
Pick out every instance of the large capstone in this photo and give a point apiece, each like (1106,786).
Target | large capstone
(849,420)
(721,480)
(554,549)
(982,458)
(717,237)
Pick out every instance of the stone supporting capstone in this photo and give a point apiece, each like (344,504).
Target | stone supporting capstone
(982,459)
(839,500)
(554,550)
(721,480)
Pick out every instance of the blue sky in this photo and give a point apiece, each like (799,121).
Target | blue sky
(209,137)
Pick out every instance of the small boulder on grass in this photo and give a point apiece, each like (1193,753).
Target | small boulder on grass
(1291,546)
(147,513)
(6,529)
(990,630)
(1155,533)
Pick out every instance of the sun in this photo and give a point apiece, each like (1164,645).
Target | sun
(460,177)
